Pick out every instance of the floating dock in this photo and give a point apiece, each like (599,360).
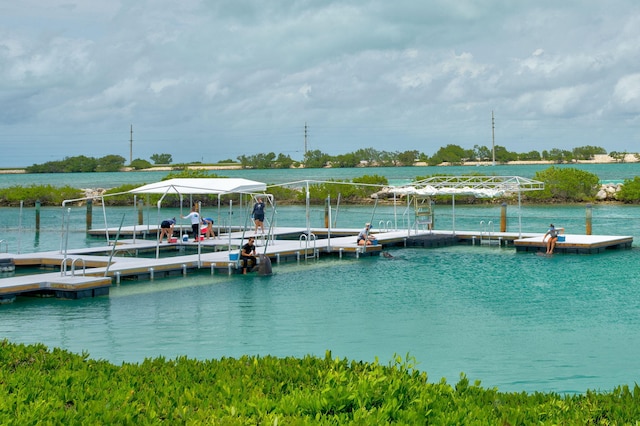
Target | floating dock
(90,272)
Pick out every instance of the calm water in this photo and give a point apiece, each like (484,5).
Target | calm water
(395,175)
(513,321)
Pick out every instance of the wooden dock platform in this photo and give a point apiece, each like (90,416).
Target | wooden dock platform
(89,272)
(576,244)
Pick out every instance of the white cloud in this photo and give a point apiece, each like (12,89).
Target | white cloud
(425,73)
(627,93)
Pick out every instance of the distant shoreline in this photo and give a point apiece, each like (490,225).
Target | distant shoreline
(599,159)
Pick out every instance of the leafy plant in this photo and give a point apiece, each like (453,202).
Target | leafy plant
(630,191)
(48,195)
(566,185)
(42,386)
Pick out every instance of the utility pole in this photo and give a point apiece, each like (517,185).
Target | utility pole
(305,139)
(493,139)
(131,145)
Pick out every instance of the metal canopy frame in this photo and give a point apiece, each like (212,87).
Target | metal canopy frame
(477,186)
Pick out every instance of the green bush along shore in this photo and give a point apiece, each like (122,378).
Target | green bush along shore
(562,185)
(38,385)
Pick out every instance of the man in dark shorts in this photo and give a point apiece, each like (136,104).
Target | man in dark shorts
(258,215)
(248,255)
(166,228)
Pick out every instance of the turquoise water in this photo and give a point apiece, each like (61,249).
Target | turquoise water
(519,322)
(395,175)
(516,321)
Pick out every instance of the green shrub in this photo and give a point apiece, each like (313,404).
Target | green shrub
(565,185)
(39,386)
(48,195)
(630,191)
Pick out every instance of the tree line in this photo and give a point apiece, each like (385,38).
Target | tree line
(451,154)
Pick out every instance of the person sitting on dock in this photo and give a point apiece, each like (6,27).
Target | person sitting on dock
(364,238)
(166,228)
(208,223)
(248,255)
(194,216)
(552,233)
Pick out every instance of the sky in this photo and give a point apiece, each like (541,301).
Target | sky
(210,80)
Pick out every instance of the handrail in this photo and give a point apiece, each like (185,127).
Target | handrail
(73,266)
(63,266)
(486,229)
(306,238)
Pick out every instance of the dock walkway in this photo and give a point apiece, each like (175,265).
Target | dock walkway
(89,272)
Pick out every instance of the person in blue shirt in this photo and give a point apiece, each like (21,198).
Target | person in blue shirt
(258,215)
(166,228)
(208,224)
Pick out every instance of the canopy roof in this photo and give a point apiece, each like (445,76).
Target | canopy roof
(478,186)
(202,186)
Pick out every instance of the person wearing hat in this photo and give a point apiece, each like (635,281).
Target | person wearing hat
(552,233)
(364,238)
(166,228)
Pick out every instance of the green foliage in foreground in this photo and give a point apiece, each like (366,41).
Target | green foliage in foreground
(58,387)
(48,195)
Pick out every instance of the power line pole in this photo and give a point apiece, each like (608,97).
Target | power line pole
(131,145)
(493,139)
(305,139)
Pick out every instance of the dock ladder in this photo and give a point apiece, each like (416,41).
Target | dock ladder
(487,234)
(424,214)
(306,240)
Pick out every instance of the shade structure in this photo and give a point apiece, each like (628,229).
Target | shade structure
(202,186)
(476,186)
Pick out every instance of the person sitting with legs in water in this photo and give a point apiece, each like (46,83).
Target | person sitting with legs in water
(552,233)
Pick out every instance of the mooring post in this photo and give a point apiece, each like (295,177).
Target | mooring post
(89,214)
(327,206)
(37,215)
(503,218)
(140,212)
(433,215)
(589,215)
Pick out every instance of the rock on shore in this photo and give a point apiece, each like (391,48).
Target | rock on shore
(608,192)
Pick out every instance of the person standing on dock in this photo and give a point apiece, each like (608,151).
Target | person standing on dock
(552,233)
(166,228)
(258,215)
(194,216)
(248,255)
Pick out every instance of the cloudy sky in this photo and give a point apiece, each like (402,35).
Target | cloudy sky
(208,80)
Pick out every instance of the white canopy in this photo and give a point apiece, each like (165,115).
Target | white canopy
(202,186)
